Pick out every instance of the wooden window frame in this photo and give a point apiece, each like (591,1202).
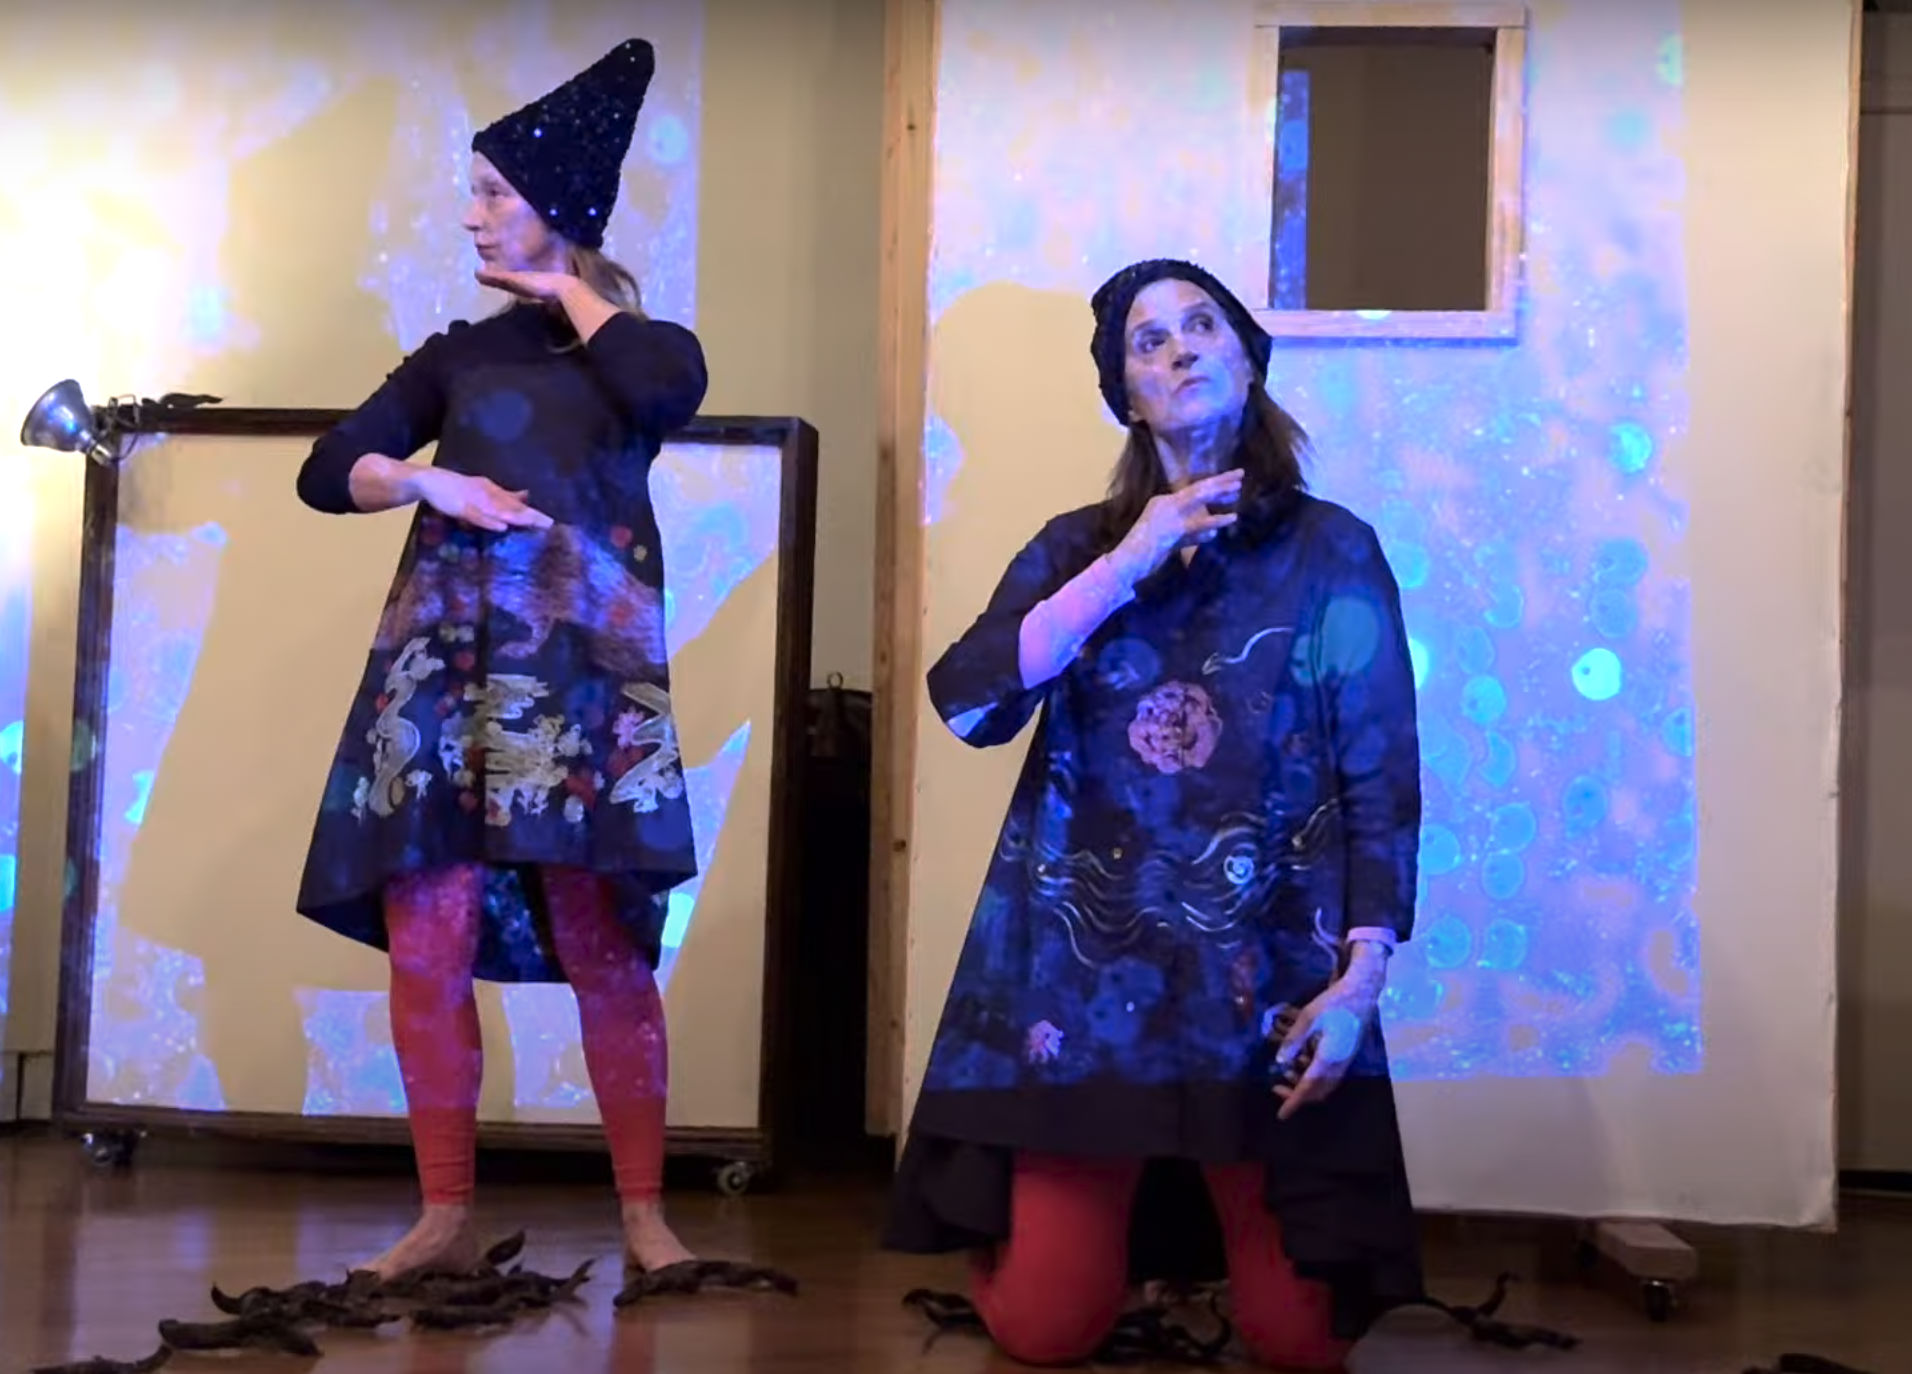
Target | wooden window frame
(1506,186)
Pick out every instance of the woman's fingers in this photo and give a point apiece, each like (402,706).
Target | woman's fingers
(1219,484)
(1321,1079)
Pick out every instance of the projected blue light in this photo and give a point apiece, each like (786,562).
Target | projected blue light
(15,631)
(1520,491)
(1291,192)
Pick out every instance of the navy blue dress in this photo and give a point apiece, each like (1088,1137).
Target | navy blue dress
(515,709)
(1222,784)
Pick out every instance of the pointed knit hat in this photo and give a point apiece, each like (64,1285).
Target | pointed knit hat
(564,151)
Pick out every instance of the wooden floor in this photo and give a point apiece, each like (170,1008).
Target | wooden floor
(91,1260)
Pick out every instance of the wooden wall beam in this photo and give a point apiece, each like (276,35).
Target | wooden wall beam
(909,95)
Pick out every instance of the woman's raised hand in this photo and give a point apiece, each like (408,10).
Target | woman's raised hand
(1174,520)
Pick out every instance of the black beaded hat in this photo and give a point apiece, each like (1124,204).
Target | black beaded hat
(1113,299)
(564,151)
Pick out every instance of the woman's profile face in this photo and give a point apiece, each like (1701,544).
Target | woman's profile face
(1184,365)
(504,228)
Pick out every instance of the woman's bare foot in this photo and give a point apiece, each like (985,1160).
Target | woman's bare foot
(443,1240)
(649,1243)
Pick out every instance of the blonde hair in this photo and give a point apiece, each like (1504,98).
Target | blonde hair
(608,277)
(605,275)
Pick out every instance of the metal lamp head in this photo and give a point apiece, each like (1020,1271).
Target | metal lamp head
(62,420)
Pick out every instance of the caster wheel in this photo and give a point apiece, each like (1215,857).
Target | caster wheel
(1659,1299)
(110,1149)
(734,1178)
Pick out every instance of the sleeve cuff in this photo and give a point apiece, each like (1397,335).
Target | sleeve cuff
(1380,935)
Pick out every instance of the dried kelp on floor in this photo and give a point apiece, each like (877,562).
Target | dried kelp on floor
(99,1364)
(698,1276)
(289,1320)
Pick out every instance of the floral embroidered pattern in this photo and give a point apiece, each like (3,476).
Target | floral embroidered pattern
(1044,1043)
(1175,728)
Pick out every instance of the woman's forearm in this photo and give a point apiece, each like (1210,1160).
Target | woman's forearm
(380,483)
(1054,632)
(587,311)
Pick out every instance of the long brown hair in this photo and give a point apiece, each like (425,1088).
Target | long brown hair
(1269,452)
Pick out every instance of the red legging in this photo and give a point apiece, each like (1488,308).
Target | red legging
(432,922)
(1052,1292)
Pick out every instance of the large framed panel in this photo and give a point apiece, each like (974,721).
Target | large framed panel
(222,631)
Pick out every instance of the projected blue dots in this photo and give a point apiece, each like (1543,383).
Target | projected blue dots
(1629,130)
(1418,658)
(1670,60)
(1676,732)
(1619,563)
(1502,875)
(1503,946)
(1584,806)
(1350,634)
(1497,768)
(667,140)
(1632,447)
(1474,647)
(1597,675)
(9,884)
(1507,607)
(1613,613)
(1411,564)
(1440,850)
(1483,700)
(1514,827)
(1449,943)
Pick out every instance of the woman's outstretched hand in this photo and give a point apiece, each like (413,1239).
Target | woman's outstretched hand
(1320,1042)
(478,501)
(1175,519)
(527,286)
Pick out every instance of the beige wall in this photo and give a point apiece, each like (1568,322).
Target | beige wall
(787,281)
(1071,168)
(786,291)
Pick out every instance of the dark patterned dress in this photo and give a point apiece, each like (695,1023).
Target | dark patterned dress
(515,709)
(1223,784)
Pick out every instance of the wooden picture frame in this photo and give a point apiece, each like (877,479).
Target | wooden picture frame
(1506,191)
(742,1153)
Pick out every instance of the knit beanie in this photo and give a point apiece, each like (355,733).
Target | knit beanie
(1113,299)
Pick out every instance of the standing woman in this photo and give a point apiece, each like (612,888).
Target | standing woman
(1160,1057)
(507,801)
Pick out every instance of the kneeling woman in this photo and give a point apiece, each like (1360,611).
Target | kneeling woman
(1169,986)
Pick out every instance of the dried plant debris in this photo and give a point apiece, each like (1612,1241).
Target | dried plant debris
(285,1320)
(698,1276)
(1143,1335)
(99,1364)
(1483,1323)
(268,1331)
(497,1300)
